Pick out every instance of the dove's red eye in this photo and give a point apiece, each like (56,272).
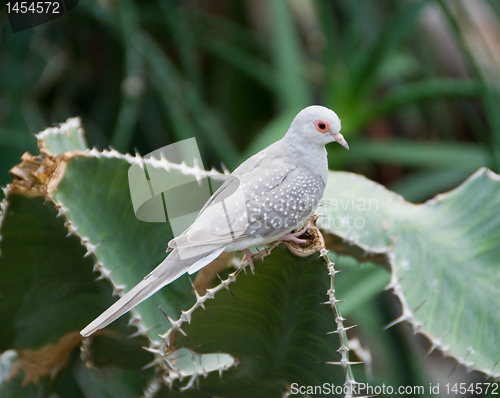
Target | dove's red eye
(322,126)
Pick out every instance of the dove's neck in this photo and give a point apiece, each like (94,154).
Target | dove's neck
(311,156)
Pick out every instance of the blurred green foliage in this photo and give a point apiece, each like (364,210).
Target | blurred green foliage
(232,73)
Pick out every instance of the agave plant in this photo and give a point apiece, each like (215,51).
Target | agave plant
(70,242)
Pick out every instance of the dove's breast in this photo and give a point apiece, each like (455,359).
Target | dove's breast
(279,206)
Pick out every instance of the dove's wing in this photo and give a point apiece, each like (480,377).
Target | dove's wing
(224,218)
(286,203)
(270,202)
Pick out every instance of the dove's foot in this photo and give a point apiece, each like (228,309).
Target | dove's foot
(294,237)
(249,256)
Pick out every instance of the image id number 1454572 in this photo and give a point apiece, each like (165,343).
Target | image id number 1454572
(33,7)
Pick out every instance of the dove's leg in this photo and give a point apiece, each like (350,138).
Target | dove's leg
(294,236)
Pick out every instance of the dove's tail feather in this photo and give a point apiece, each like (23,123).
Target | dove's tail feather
(169,270)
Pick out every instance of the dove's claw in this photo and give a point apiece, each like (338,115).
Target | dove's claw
(294,236)
(249,257)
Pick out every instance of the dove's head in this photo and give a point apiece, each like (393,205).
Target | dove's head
(318,125)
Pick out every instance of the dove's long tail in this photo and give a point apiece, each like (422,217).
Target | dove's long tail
(169,270)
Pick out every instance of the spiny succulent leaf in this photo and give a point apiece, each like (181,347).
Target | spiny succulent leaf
(46,284)
(117,383)
(10,387)
(275,327)
(48,293)
(95,191)
(66,137)
(358,283)
(443,254)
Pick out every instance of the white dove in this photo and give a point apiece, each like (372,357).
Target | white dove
(279,189)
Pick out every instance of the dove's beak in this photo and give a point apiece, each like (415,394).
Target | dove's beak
(341,140)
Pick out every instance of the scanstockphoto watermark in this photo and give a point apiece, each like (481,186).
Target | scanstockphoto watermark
(365,389)
(354,390)
(351,212)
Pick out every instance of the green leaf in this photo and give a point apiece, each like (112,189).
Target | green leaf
(490,94)
(273,132)
(359,283)
(95,192)
(413,93)
(11,387)
(431,155)
(274,325)
(118,383)
(46,283)
(66,137)
(248,63)
(419,186)
(365,72)
(287,57)
(48,294)
(443,254)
